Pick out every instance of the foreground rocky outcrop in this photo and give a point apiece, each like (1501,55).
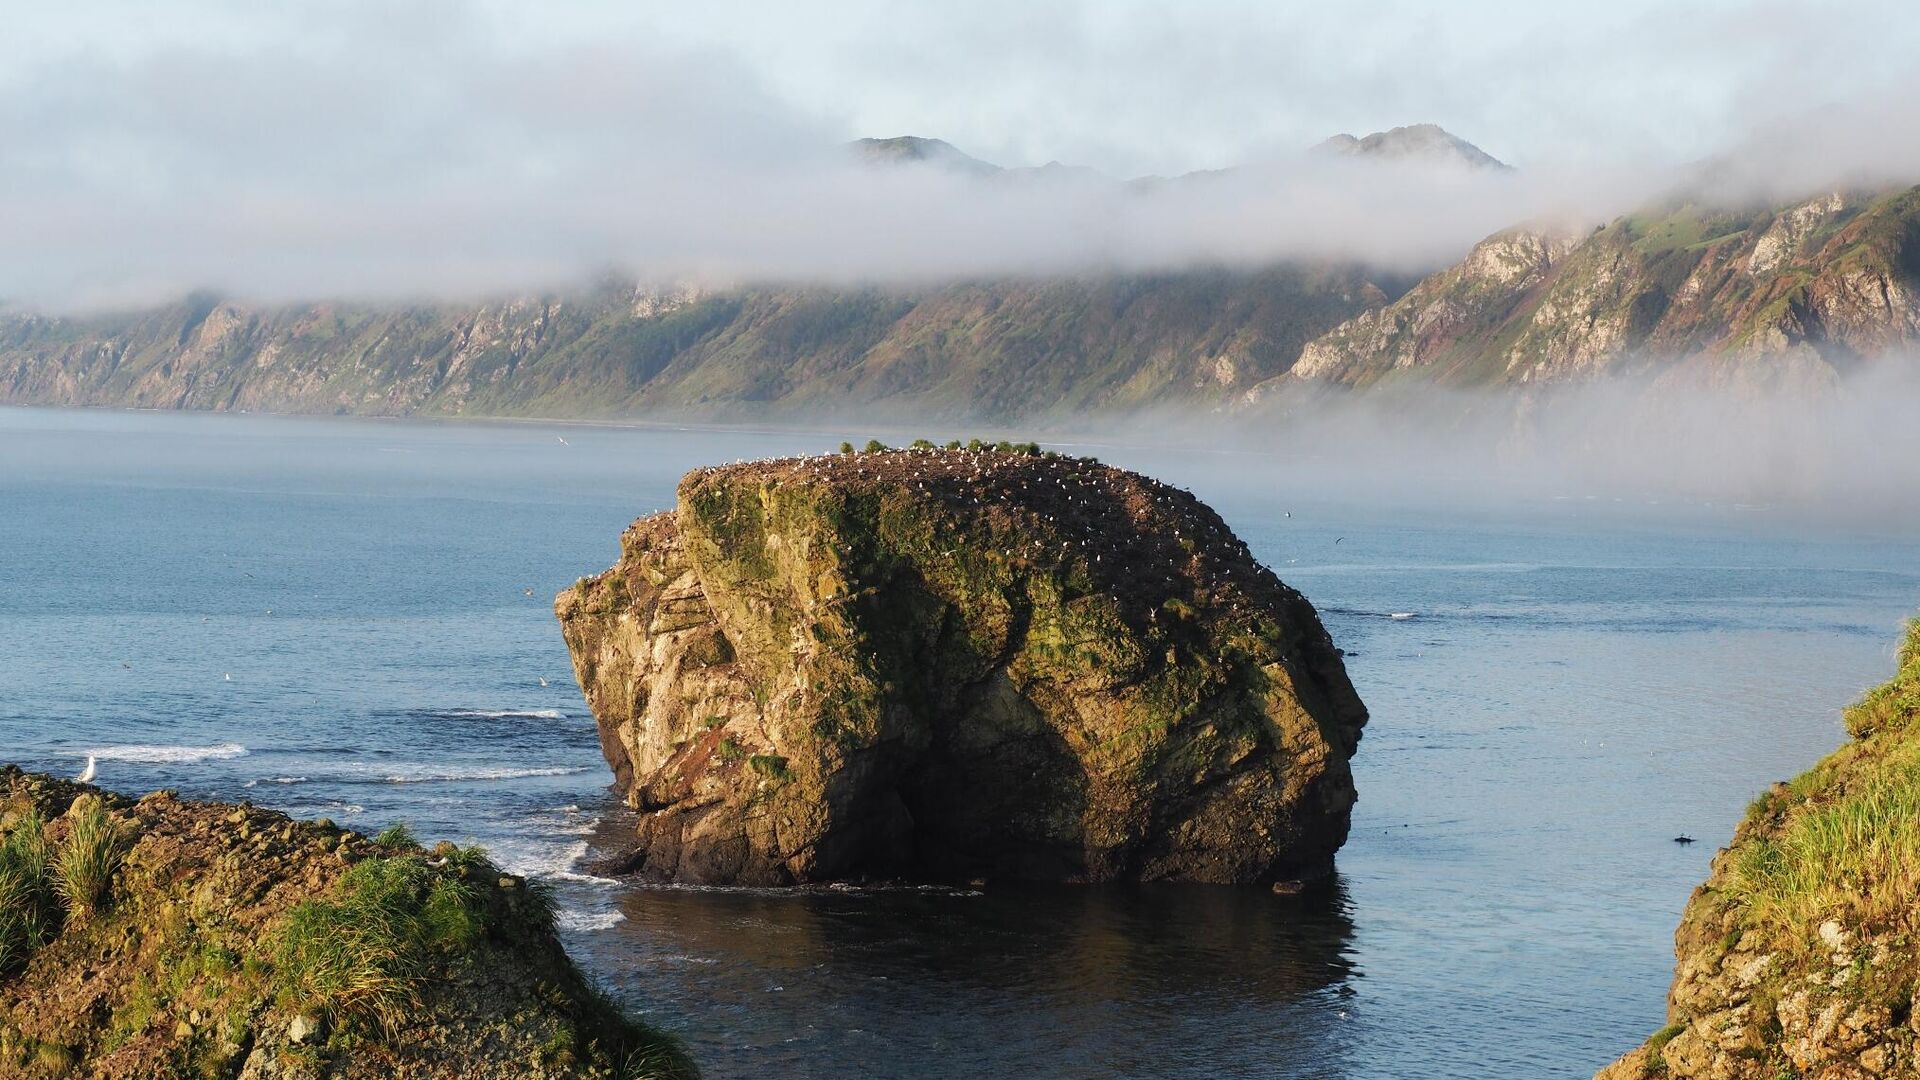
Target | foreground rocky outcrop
(164,938)
(952,663)
(1800,955)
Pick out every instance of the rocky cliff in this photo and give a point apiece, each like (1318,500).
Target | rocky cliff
(1833,281)
(987,350)
(946,664)
(163,938)
(1800,955)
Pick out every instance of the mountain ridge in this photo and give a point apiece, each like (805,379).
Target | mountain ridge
(1830,282)
(1417,143)
(993,350)
(1799,294)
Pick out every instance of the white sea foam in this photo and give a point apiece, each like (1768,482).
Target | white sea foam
(570,919)
(544,859)
(275,780)
(425,776)
(168,754)
(508,714)
(579,878)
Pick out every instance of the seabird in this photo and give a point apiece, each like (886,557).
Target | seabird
(542,678)
(1683,839)
(87,774)
(563,442)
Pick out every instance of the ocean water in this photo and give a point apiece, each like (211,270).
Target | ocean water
(353,619)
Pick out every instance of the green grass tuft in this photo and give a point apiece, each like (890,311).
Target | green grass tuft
(29,910)
(89,858)
(396,835)
(1658,1044)
(365,953)
(1847,845)
(771,766)
(1852,853)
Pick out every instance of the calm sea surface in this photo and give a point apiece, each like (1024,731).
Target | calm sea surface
(333,618)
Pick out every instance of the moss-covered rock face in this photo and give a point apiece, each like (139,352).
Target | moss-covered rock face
(1800,955)
(947,664)
(228,941)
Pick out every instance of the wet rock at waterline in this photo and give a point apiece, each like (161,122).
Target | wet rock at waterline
(948,664)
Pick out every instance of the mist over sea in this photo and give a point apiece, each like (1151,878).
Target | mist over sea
(353,619)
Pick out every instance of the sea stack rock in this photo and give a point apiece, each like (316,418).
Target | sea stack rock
(950,664)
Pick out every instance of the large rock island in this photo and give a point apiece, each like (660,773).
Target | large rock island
(1799,956)
(949,664)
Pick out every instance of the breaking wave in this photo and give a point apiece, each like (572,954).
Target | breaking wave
(169,754)
(433,776)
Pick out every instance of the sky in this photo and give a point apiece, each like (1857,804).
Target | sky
(429,147)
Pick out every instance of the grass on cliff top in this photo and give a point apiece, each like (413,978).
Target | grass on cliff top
(94,849)
(36,880)
(29,914)
(366,952)
(1848,843)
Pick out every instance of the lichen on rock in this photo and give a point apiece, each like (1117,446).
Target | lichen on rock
(950,664)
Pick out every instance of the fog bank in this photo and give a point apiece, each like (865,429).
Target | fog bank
(1793,438)
(450,151)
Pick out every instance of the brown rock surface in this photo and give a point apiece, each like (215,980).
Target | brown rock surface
(951,664)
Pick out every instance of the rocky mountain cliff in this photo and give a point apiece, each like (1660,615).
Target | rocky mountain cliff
(166,938)
(948,664)
(993,351)
(1829,283)
(1800,955)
